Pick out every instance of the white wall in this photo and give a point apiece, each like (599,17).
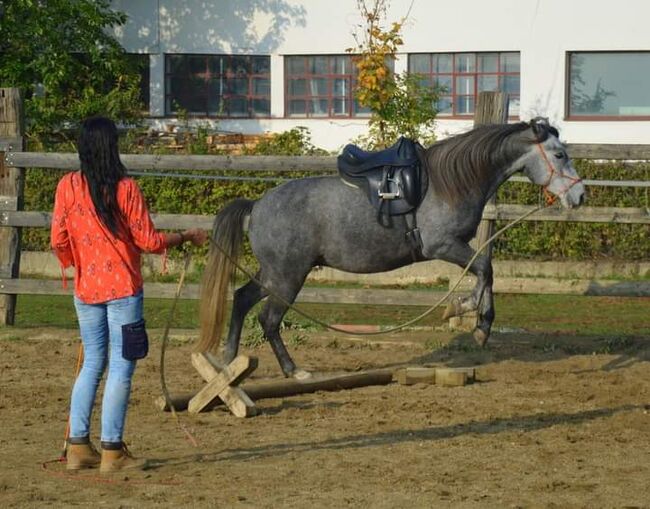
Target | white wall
(542,30)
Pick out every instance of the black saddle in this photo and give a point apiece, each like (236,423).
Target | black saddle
(392,179)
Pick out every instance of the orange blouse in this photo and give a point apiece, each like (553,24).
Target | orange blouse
(106,267)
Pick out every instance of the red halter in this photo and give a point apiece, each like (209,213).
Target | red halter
(550,199)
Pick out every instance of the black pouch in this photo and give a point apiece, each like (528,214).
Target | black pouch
(135,343)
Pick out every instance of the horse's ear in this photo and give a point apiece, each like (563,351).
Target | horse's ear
(542,128)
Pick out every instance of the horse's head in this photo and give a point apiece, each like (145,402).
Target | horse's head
(548,165)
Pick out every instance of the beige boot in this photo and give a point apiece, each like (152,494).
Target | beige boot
(81,455)
(116,460)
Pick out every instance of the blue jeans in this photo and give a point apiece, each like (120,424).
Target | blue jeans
(101,331)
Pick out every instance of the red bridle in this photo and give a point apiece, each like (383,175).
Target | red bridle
(550,198)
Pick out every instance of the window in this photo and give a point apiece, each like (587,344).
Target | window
(321,86)
(461,76)
(218,85)
(609,85)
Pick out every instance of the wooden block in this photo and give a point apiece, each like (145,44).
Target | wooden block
(410,376)
(470,372)
(450,377)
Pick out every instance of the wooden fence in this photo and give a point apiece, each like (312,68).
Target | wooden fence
(14,162)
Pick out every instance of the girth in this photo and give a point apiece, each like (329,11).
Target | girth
(393,180)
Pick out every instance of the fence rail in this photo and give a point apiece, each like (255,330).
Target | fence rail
(70,161)
(378,296)
(503,212)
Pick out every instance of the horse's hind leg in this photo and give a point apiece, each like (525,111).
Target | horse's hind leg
(271,319)
(244,299)
(283,287)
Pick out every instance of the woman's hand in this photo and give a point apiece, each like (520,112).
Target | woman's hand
(196,236)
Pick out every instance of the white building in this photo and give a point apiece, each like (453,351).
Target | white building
(257,66)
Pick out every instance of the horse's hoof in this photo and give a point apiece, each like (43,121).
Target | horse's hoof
(301,375)
(480,336)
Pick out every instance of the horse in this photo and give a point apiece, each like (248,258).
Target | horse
(322,221)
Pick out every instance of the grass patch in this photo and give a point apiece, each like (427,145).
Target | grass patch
(574,314)
(615,316)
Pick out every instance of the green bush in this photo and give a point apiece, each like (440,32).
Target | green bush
(530,240)
(580,241)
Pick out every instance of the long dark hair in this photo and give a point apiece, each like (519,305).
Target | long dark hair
(102,168)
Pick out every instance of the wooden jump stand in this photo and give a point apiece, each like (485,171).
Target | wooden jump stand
(222,383)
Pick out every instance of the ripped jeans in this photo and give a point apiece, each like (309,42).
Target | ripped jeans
(100,326)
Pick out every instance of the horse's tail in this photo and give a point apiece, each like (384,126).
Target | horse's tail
(227,238)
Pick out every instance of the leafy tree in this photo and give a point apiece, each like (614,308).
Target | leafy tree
(399,103)
(61,53)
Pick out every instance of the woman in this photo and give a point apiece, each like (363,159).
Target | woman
(100,225)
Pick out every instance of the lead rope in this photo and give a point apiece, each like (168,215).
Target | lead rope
(66,435)
(163,348)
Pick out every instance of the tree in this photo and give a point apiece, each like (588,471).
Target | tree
(399,103)
(61,53)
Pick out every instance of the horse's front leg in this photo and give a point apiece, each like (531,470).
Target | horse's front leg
(481,298)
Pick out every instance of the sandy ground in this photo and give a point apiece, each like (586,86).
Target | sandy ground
(553,421)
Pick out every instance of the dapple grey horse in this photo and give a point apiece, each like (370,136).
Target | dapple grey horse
(321,221)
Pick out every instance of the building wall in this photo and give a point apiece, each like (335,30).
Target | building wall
(543,31)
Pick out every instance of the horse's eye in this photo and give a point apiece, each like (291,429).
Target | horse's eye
(559,155)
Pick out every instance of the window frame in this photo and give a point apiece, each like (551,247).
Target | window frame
(594,118)
(207,76)
(330,76)
(475,74)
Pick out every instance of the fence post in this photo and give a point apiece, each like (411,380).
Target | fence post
(491,108)
(12,183)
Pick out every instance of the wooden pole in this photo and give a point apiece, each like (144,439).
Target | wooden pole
(291,387)
(12,184)
(491,108)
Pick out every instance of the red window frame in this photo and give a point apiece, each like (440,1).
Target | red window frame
(330,76)
(431,76)
(197,85)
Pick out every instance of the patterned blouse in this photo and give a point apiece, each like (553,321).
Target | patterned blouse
(106,267)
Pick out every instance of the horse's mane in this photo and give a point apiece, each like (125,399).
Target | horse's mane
(463,165)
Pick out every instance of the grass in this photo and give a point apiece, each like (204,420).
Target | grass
(613,316)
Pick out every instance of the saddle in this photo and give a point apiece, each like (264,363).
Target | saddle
(392,179)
